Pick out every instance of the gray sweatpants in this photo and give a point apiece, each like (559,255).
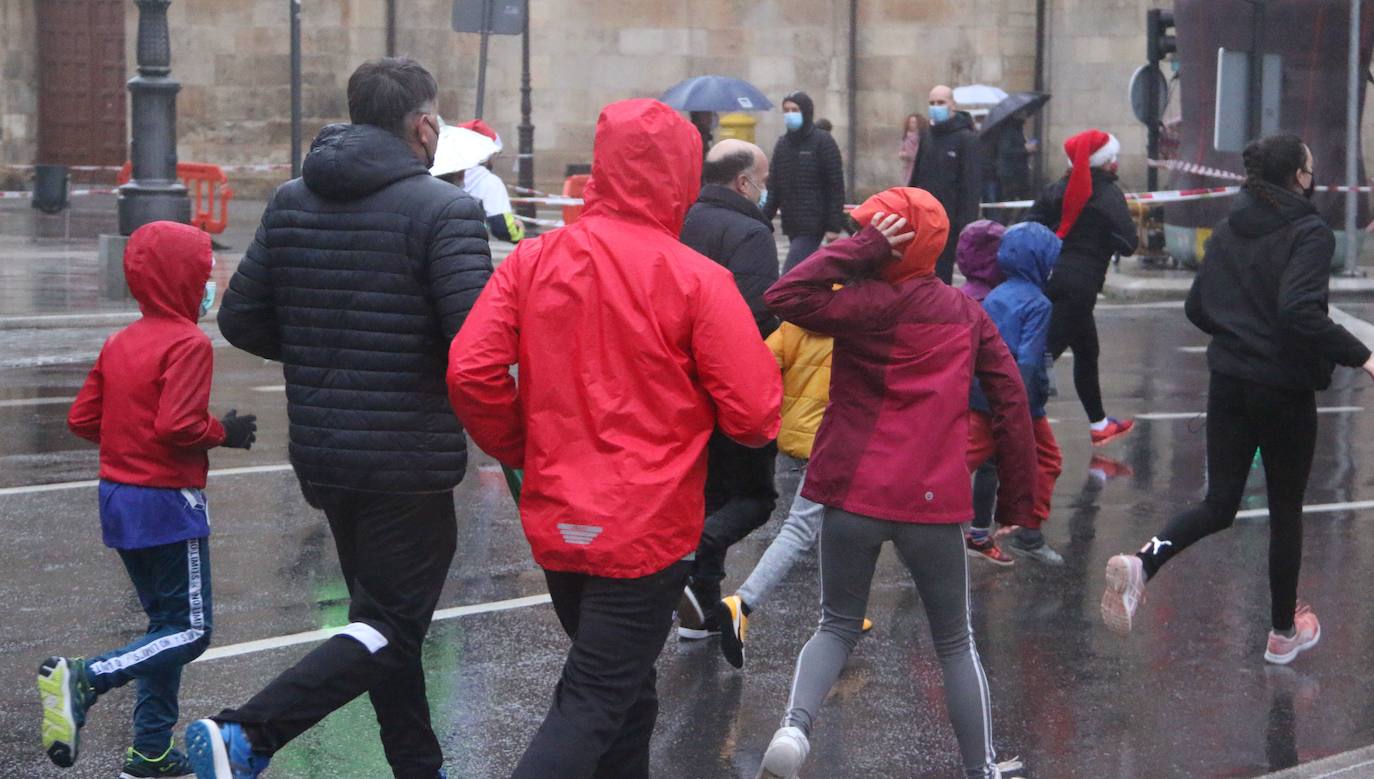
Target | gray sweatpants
(935,555)
(796,537)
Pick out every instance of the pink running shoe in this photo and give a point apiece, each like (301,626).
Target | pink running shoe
(1115,429)
(1282,650)
(1125,592)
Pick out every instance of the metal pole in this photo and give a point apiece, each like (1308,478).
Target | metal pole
(1152,131)
(853,144)
(526,157)
(390,28)
(1256,103)
(482,57)
(295,11)
(1038,167)
(1352,141)
(153,192)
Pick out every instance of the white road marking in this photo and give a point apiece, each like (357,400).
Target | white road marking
(270,388)
(312,636)
(35,402)
(1158,416)
(1193,349)
(78,485)
(1316,508)
(1130,306)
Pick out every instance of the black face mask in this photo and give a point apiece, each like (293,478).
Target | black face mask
(1311,189)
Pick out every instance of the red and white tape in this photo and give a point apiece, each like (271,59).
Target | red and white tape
(25,195)
(1195,169)
(255,167)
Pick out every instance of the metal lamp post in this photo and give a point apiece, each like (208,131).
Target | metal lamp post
(526,158)
(153,192)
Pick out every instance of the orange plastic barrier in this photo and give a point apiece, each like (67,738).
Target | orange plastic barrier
(208,186)
(572,187)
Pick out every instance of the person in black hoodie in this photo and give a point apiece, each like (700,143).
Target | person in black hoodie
(361,274)
(807,175)
(1088,211)
(726,225)
(949,165)
(1262,297)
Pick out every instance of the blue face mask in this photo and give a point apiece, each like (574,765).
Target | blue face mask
(763,198)
(793,121)
(208,299)
(939,113)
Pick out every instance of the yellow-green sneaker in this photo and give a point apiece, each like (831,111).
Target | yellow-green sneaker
(66,694)
(139,766)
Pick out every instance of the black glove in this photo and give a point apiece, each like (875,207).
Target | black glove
(239,431)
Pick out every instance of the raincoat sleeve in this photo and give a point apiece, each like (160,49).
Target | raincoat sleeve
(480,386)
(183,406)
(806,298)
(735,367)
(459,262)
(84,418)
(1303,293)
(1011,424)
(1030,353)
(247,316)
(832,180)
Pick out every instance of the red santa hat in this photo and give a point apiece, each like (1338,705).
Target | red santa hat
(479,126)
(1086,150)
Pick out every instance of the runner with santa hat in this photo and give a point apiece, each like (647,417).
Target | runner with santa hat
(1088,211)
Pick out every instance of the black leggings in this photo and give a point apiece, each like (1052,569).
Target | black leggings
(1282,424)
(1072,327)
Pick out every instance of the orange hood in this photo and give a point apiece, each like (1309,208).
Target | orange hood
(925,215)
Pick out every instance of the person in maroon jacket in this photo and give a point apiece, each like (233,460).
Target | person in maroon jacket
(888,462)
(146,403)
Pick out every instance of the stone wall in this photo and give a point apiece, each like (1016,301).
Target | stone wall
(18,87)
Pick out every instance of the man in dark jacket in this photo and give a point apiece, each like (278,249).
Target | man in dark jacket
(361,273)
(808,182)
(949,166)
(726,225)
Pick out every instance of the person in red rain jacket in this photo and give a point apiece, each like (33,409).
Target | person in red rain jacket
(888,463)
(631,348)
(146,403)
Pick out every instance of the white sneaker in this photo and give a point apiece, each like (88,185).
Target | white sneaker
(785,754)
(1282,650)
(1125,592)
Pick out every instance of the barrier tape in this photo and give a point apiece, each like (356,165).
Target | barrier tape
(25,195)
(257,167)
(1195,169)
(541,222)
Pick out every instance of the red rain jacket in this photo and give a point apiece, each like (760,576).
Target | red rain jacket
(892,443)
(146,401)
(631,348)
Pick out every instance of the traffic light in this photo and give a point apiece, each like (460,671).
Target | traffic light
(1159,43)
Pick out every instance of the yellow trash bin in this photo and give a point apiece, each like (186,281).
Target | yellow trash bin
(739,126)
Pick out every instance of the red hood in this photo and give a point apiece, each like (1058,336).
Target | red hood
(166,265)
(646,165)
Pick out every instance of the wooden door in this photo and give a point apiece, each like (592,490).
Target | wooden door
(81,76)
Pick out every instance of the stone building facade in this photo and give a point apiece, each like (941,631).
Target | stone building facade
(231,57)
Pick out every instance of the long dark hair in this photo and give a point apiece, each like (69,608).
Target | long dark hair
(1273,161)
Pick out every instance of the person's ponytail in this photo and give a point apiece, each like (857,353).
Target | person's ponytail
(1271,162)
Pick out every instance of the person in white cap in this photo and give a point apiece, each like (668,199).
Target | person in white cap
(482,183)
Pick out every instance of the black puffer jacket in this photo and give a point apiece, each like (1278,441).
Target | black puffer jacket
(1104,228)
(949,165)
(361,273)
(726,227)
(1262,295)
(806,178)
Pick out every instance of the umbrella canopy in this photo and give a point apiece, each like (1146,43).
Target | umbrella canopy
(978,94)
(1029,102)
(715,93)
(460,149)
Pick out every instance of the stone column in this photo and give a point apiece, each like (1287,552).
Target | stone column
(153,191)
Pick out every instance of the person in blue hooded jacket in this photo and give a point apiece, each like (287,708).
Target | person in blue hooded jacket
(1021,311)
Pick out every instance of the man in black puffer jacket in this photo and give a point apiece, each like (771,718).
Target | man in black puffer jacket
(949,165)
(726,225)
(360,276)
(807,175)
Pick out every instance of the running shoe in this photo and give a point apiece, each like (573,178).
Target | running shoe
(1041,552)
(66,692)
(221,751)
(1115,429)
(988,550)
(785,754)
(139,766)
(1282,650)
(1011,768)
(693,623)
(734,623)
(1125,592)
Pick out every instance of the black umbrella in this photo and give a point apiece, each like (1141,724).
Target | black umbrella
(1029,102)
(715,93)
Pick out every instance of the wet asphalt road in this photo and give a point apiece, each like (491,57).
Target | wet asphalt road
(1187,695)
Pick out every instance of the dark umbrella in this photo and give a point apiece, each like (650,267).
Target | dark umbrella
(1030,102)
(715,93)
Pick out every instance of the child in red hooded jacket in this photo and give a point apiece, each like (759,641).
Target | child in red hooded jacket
(146,403)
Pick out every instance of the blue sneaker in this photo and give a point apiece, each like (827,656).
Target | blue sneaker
(221,751)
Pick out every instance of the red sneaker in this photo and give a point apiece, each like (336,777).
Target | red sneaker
(1115,429)
(1282,650)
(988,550)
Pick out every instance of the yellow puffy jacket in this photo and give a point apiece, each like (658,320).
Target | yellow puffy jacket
(804,358)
